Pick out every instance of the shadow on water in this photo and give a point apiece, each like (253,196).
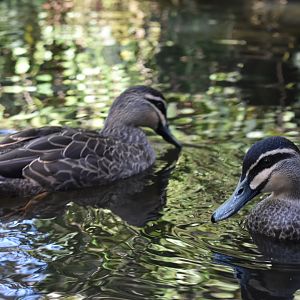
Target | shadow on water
(137,200)
(275,276)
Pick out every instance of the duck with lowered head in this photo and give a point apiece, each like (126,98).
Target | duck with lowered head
(271,165)
(61,158)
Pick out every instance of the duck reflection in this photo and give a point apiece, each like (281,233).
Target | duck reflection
(137,200)
(277,278)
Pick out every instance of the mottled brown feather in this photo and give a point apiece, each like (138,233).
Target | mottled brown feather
(60,158)
(73,158)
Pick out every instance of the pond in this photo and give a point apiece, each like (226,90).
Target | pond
(229,71)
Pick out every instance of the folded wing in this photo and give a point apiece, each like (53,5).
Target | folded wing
(68,158)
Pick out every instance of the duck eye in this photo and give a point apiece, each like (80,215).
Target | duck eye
(266,160)
(160,106)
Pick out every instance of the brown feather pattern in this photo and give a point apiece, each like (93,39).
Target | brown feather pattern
(73,158)
(61,158)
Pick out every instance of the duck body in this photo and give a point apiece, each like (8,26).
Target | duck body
(61,158)
(72,158)
(270,166)
(276,218)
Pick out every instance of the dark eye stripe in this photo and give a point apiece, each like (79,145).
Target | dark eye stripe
(267,162)
(160,105)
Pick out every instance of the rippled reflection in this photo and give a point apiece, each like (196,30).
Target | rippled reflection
(277,276)
(229,71)
(19,267)
(94,211)
(137,200)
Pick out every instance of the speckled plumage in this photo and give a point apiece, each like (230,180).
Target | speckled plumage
(58,158)
(276,218)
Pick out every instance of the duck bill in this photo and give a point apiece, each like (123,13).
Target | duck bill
(242,194)
(165,132)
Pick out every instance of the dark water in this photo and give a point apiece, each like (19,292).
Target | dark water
(229,70)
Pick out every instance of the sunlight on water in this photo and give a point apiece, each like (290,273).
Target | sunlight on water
(230,74)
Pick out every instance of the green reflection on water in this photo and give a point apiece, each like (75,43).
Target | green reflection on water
(229,71)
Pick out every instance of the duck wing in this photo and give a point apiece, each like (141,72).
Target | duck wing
(18,139)
(87,159)
(23,147)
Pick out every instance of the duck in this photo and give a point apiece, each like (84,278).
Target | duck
(54,158)
(122,198)
(271,165)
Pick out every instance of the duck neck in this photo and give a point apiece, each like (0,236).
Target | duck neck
(125,133)
(286,183)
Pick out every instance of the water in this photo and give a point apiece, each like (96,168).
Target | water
(229,70)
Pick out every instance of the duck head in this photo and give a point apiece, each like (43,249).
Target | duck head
(268,166)
(141,106)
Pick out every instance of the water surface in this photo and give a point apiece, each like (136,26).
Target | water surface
(229,71)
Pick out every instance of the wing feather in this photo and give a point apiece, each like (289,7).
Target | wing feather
(69,158)
(28,134)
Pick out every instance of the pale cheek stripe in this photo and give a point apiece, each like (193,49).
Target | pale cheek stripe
(261,177)
(151,97)
(272,152)
(160,115)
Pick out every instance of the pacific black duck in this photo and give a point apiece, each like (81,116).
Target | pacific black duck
(270,166)
(61,158)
